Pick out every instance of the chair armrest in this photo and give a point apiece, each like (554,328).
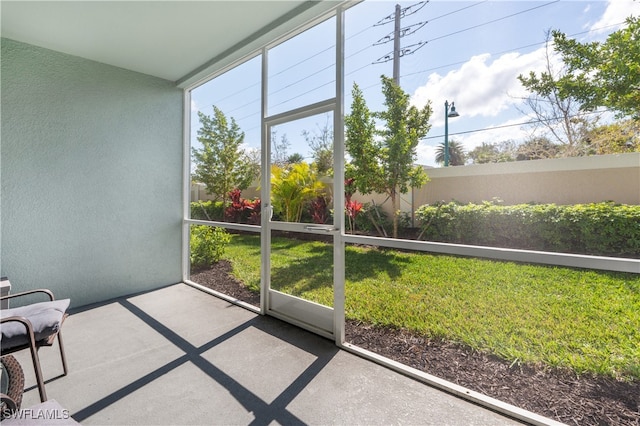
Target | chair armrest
(23,320)
(37,334)
(24,293)
(27,324)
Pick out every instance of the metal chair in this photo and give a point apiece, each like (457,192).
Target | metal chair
(12,386)
(33,326)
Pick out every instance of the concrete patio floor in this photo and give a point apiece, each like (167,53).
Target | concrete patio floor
(178,355)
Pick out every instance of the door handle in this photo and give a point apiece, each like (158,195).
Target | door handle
(320,228)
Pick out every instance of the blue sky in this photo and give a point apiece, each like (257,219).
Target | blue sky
(466,52)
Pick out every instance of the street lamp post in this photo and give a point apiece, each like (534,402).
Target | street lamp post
(453,113)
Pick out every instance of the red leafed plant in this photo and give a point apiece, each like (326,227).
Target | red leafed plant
(352,207)
(242,210)
(318,210)
(254,212)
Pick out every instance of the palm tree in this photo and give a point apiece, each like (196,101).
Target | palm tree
(457,156)
(295,158)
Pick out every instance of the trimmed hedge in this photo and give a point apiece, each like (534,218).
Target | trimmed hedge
(605,229)
(206,210)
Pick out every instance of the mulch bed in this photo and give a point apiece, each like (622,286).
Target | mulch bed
(219,278)
(558,394)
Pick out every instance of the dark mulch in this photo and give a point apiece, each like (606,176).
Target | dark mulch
(558,394)
(219,278)
(554,393)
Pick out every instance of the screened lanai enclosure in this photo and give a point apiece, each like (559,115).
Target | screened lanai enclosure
(304,246)
(240,171)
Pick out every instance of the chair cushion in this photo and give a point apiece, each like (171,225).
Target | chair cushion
(45,318)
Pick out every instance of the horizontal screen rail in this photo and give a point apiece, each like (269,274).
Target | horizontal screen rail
(227,225)
(497,253)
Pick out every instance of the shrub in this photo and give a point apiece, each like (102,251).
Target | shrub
(206,210)
(207,245)
(372,219)
(292,188)
(599,228)
(605,227)
(318,210)
(352,207)
(242,210)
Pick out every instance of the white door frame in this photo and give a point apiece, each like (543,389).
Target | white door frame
(323,320)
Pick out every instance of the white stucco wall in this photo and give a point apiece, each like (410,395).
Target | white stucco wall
(91,159)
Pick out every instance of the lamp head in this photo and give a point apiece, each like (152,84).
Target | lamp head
(452,112)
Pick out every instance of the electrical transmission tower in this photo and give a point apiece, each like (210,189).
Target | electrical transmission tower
(397,34)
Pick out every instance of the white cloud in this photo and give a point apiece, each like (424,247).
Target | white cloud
(616,12)
(426,154)
(487,86)
(480,87)
(483,87)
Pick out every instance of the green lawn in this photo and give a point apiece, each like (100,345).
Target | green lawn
(582,319)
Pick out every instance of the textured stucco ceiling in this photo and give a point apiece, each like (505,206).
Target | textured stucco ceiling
(173,40)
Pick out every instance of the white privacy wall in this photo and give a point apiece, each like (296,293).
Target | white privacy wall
(91,160)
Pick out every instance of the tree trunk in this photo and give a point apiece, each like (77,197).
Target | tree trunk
(396,209)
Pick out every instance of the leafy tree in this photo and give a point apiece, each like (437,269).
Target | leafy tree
(493,152)
(254,158)
(279,149)
(603,73)
(485,153)
(361,145)
(537,149)
(615,138)
(553,109)
(221,164)
(321,144)
(295,158)
(386,164)
(457,156)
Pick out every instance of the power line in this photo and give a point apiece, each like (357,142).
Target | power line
(286,87)
(458,10)
(408,50)
(495,53)
(462,62)
(494,20)
(419,45)
(397,34)
(293,66)
(402,32)
(406,11)
(504,126)
(299,63)
(391,56)
(422,23)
